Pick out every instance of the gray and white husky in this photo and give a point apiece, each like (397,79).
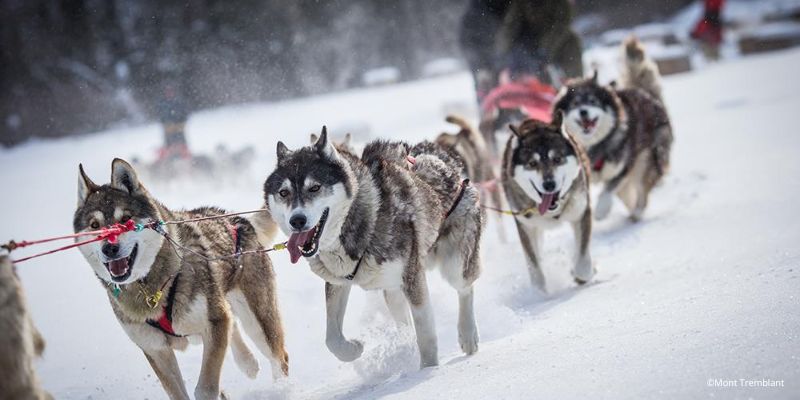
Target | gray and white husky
(627,135)
(546,179)
(379,222)
(202,292)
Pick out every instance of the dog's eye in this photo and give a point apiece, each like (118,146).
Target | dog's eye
(533,164)
(557,159)
(283,193)
(94,225)
(314,188)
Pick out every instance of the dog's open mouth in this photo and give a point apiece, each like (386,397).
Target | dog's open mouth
(587,124)
(549,200)
(120,269)
(306,243)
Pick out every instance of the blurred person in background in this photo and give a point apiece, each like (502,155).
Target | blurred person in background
(518,37)
(708,30)
(173,114)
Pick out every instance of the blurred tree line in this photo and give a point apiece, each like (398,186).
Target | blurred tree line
(77,65)
(70,66)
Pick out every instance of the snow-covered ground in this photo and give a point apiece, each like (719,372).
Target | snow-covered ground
(706,287)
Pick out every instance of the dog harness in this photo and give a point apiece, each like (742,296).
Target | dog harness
(598,164)
(164,323)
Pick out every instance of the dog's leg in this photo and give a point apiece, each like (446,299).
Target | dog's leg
(460,272)
(215,344)
(398,306)
(256,305)
(607,195)
(424,323)
(166,368)
(336,297)
(242,355)
(584,270)
(415,287)
(530,245)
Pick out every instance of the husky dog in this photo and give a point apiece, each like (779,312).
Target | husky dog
(201,291)
(472,149)
(494,127)
(20,341)
(378,222)
(346,144)
(546,179)
(640,71)
(627,135)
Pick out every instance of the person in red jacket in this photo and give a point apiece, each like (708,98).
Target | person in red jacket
(708,30)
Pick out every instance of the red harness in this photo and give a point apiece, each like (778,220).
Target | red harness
(598,164)
(164,322)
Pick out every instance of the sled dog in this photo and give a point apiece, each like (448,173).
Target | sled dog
(627,135)
(202,292)
(20,341)
(546,180)
(379,221)
(471,147)
(639,70)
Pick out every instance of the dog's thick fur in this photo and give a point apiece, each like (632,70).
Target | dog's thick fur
(472,148)
(20,341)
(207,294)
(639,70)
(541,155)
(627,135)
(379,222)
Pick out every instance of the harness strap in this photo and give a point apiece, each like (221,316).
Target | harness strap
(598,164)
(460,196)
(164,322)
(355,270)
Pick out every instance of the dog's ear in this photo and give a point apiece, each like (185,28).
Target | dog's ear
(515,130)
(85,186)
(313,138)
(323,145)
(594,76)
(123,177)
(283,151)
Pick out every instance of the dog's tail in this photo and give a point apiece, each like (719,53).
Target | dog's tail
(265,227)
(639,69)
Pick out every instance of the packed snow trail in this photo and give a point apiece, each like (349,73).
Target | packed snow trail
(706,287)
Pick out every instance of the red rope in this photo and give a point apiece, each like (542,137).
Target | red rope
(110,233)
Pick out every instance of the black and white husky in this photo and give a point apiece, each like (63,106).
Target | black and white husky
(379,222)
(546,180)
(627,135)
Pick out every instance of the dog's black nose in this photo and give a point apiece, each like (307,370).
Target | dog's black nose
(298,221)
(584,113)
(549,185)
(111,250)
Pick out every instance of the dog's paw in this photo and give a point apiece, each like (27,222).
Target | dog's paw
(345,350)
(426,362)
(249,366)
(584,271)
(603,206)
(201,393)
(468,339)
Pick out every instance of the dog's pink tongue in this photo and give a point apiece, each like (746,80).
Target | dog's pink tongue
(296,239)
(118,267)
(547,201)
